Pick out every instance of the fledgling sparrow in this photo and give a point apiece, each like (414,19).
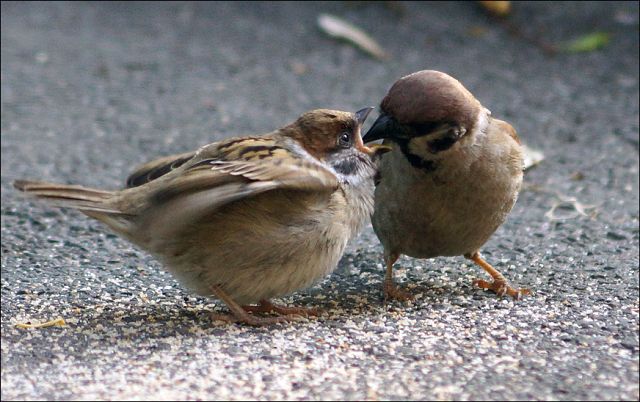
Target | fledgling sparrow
(245,219)
(451,179)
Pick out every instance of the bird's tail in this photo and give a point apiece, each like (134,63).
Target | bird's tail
(91,202)
(78,197)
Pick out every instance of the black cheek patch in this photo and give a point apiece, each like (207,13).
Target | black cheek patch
(445,140)
(441,144)
(415,161)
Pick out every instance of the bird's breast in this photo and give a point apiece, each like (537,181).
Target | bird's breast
(451,210)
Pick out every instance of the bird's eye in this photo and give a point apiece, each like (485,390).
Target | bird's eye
(344,140)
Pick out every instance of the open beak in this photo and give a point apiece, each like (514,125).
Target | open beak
(361,116)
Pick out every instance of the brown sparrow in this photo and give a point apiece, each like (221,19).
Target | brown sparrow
(245,219)
(451,179)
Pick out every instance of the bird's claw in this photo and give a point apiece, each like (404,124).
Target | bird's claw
(501,288)
(393,292)
(269,307)
(255,321)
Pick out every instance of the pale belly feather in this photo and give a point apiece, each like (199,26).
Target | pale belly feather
(450,211)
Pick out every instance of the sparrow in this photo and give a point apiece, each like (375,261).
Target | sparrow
(451,178)
(245,219)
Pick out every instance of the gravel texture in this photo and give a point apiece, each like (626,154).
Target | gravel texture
(91,89)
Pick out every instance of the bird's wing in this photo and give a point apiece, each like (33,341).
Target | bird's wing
(256,162)
(235,169)
(156,168)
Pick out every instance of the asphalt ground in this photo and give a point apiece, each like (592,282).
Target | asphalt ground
(91,89)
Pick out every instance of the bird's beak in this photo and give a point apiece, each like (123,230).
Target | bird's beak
(379,150)
(383,127)
(361,116)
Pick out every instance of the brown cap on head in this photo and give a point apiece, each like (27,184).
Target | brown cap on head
(318,130)
(431,96)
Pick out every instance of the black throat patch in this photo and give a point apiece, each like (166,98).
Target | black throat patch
(415,160)
(346,167)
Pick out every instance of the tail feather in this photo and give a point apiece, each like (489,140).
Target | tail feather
(82,198)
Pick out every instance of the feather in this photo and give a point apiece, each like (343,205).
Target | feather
(157,168)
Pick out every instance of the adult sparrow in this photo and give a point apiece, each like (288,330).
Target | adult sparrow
(451,179)
(245,219)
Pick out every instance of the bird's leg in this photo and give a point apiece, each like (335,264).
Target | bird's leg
(266,306)
(238,314)
(499,285)
(391,291)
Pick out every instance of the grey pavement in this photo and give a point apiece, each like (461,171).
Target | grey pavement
(91,89)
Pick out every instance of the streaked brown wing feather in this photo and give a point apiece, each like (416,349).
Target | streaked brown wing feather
(223,173)
(232,148)
(279,172)
(157,168)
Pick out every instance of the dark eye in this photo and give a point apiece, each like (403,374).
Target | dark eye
(344,140)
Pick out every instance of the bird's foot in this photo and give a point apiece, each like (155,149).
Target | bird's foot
(265,306)
(501,287)
(253,320)
(393,292)
(239,314)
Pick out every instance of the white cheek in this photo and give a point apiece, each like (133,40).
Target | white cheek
(479,133)
(482,122)
(419,146)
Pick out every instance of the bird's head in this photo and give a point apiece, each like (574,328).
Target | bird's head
(427,113)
